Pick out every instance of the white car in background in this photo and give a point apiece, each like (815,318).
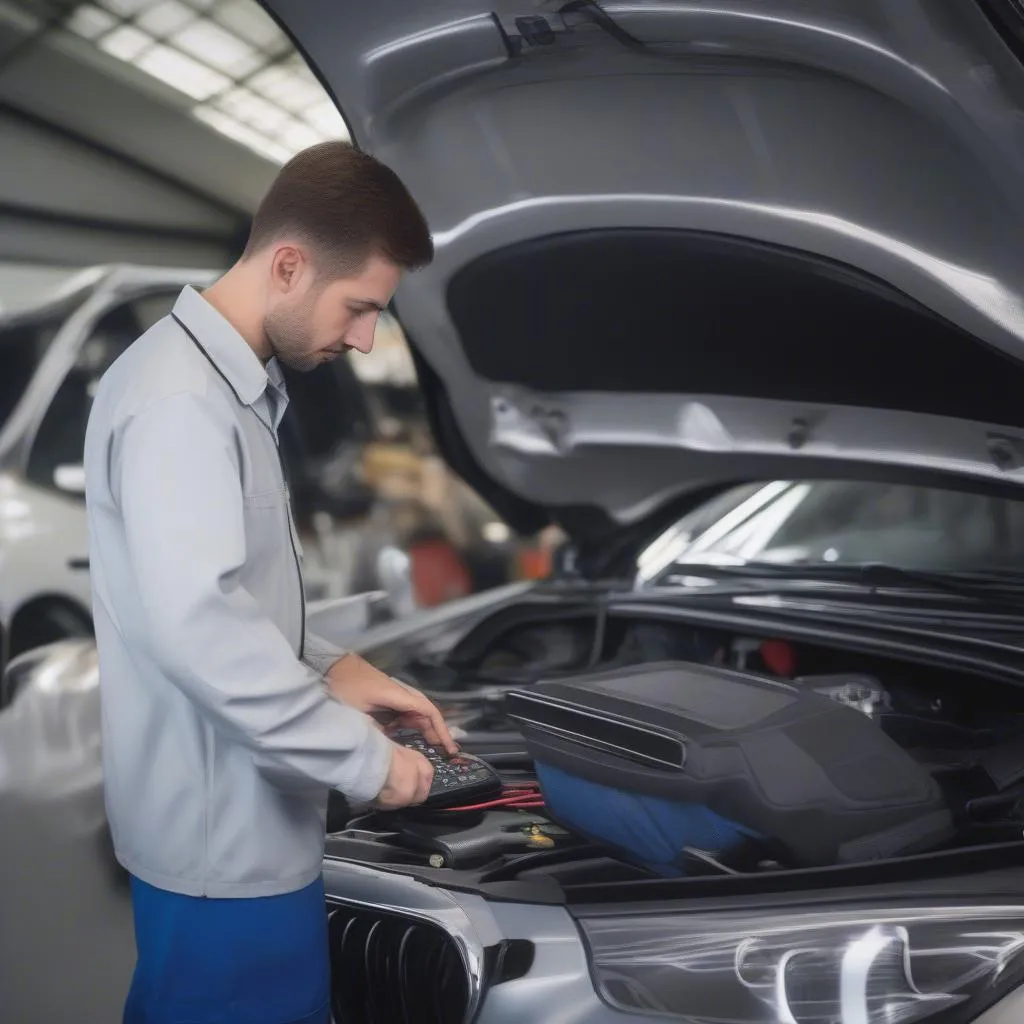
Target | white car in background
(52,356)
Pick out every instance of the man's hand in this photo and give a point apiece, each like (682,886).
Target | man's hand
(408,782)
(357,683)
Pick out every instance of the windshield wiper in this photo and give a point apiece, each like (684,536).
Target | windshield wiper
(996,589)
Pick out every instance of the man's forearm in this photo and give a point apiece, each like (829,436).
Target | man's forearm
(350,669)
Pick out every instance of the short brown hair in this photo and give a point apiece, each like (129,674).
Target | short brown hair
(347,206)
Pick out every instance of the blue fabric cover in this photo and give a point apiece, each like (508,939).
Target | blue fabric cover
(647,830)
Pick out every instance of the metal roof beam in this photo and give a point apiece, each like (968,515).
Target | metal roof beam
(68,84)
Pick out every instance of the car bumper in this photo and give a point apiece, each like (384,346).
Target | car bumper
(557,983)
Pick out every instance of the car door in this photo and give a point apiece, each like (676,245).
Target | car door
(55,457)
(46,590)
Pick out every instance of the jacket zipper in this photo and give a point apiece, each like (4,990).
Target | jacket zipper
(292,528)
(292,531)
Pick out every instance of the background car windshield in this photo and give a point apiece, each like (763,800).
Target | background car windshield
(24,340)
(851,522)
(327,407)
(22,345)
(60,439)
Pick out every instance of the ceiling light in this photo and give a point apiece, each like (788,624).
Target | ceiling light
(89,22)
(217,47)
(184,73)
(252,109)
(297,135)
(165,17)
(286,86)
(242,133)
(248,20)
(126,42)
(127,7)
(325,117)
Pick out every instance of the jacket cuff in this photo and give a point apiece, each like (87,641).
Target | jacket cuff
(320,655)
(366,771)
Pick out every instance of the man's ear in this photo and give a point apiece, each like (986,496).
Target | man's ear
(288,266)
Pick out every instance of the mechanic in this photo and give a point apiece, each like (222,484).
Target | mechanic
(225,722)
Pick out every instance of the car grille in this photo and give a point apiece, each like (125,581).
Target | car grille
(388,969)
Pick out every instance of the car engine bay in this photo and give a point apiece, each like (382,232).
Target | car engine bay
(965,730)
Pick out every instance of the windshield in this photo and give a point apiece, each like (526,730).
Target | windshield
(846,523)
(24,340)
(22,346)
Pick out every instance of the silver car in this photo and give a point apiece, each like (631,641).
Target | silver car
(683,246)
(53,354)
(686,247)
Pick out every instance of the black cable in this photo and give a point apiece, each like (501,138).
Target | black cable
(600,633)
(510,870)
(595,14)
(508,759)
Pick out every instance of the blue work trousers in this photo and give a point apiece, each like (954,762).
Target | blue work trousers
(229,961)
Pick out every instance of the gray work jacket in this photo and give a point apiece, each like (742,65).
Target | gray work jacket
(220,740)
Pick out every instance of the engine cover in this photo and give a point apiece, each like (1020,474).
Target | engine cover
(675,755)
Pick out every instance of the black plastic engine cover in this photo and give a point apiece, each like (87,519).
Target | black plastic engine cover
(813,776)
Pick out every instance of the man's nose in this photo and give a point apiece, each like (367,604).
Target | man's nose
(360,337)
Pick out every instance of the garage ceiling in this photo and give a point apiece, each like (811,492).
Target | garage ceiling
(228,56)
(144,130)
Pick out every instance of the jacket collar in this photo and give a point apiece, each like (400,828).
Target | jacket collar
(225,347)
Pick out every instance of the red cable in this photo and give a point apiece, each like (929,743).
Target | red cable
(492,807)
(523,802)
(515,796)
(510,804)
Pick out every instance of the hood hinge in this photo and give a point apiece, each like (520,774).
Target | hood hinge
(534,428)
(530,32)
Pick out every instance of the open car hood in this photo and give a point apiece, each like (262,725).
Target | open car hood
(680,243)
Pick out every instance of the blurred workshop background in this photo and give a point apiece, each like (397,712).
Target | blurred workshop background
(137,137)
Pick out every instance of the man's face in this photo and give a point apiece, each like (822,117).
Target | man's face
(320,319)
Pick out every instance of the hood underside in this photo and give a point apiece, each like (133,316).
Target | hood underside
(679,245)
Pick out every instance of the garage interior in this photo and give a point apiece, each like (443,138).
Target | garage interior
(685,481)
(142,134)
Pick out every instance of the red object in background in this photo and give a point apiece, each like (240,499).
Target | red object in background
(438,573)
(780,657)
(534,563)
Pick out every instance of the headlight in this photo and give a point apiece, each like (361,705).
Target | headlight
(886,966)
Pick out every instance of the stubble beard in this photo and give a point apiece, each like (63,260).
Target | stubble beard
(287,334)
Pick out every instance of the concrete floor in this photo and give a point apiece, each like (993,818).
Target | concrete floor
(67,946)
(66,941)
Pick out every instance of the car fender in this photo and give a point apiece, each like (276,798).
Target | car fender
(43,547)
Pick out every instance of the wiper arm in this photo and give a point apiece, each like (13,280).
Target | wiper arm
(996,589)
